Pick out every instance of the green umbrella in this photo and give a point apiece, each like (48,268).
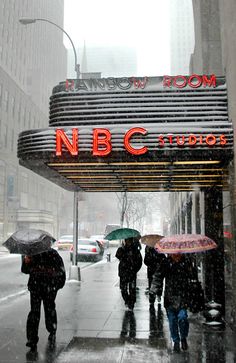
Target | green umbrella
(122,233)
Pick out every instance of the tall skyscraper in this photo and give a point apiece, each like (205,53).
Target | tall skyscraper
(117,61)
(32,61)
(182,35)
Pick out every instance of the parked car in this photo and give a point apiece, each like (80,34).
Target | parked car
(88,249)
(100,238)
(64,242)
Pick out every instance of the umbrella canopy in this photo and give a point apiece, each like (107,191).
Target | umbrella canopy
(185,243)
(29,242)
(150,239)
(122,233)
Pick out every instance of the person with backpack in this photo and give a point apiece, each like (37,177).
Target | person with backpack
(46,276)
(130,263)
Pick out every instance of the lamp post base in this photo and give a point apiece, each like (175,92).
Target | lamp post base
(74,273)
(213,315)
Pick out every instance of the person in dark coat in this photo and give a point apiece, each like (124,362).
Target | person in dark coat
(129,265)
(46,276)
(151,259)
(176,270)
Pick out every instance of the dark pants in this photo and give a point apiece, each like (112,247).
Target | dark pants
(32,326)
(128,292)
(150,273)
(150,281)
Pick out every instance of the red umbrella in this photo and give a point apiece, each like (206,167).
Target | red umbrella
(185,243)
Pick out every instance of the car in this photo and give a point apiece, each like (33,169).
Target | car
(88,249)
(100,238)
(64,242)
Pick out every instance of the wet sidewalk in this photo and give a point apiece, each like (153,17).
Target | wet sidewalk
(106,332)
(93,326)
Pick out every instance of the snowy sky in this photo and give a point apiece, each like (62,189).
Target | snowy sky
(143,24)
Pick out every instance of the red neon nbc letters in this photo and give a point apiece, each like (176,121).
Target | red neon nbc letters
(101,142)
(61,137)
(101,137)
(127,137)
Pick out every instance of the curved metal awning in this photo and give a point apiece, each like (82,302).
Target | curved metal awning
(186,134)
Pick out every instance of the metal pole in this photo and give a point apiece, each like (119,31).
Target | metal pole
(26,21)
(75,227)
(74,268)
(123,208)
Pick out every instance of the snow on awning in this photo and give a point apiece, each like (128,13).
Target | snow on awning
(161,138)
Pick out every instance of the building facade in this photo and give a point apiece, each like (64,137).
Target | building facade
(214,53)
(32,61)
(182,35)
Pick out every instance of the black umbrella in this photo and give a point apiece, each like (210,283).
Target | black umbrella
(29,242)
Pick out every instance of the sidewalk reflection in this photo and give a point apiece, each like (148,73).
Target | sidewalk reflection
(48,357)
(32,356)
(155,324)
(128,327)
(215,344)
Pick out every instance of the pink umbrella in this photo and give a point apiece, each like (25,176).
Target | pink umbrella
(185,243)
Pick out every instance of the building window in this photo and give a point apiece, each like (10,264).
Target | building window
(12,140)
(12,105)
(3,134)
(24,183)
(23,116)
(10,186)
(0,95)
(6,100)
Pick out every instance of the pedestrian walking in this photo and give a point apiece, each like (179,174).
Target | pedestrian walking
(151,259)
(177,272)
(46,276)
(129,265)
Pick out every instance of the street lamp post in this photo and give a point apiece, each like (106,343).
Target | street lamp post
(74,268)
(26,21)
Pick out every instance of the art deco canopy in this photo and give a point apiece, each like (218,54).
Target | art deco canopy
(158,137)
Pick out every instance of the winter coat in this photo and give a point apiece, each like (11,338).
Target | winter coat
(151,259)
(46,270)
(177,277)
(130,262)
